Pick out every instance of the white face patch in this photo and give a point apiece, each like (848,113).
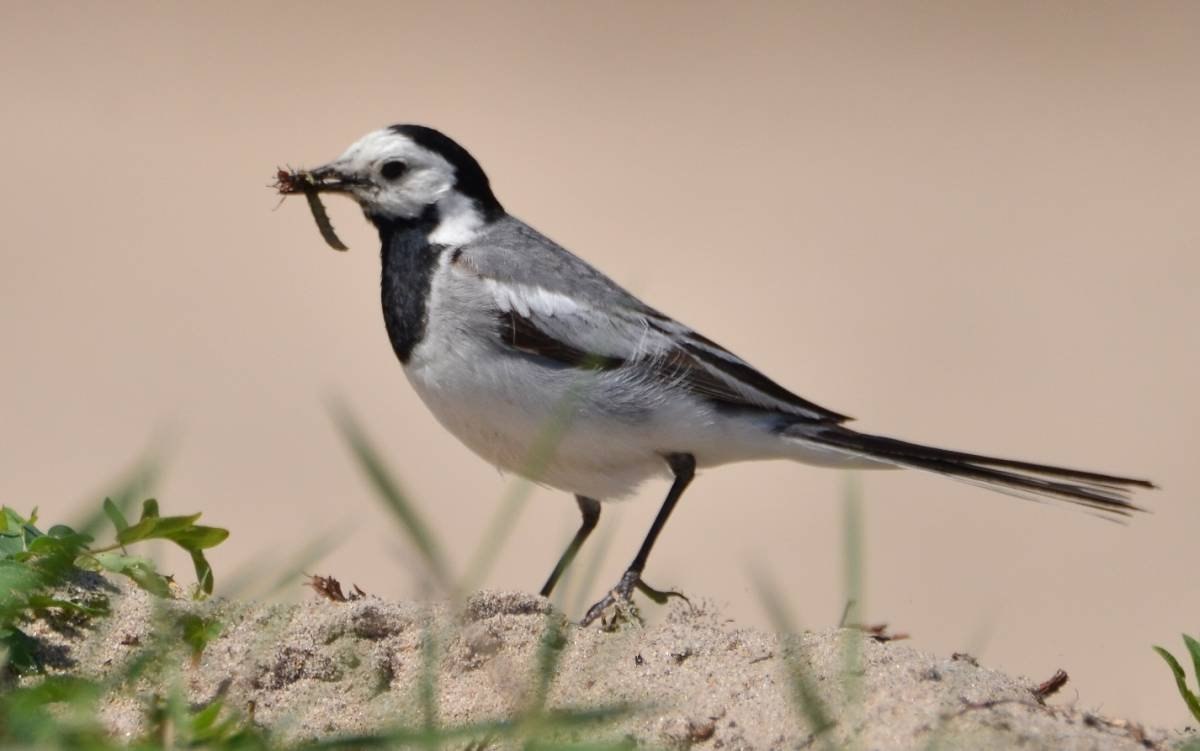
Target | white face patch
(460,220)
(426,179)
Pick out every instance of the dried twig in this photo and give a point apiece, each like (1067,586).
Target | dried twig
(1051,686)
(964,657)
(878,632)
(331,589)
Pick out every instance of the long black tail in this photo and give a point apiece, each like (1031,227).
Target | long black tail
(1107,493)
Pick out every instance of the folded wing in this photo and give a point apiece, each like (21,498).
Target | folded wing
(555,306)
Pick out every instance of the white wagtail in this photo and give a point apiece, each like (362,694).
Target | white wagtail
(502,333)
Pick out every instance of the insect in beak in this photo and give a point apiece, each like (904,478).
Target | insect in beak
(312,184)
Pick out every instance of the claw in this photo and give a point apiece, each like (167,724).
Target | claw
(623,592)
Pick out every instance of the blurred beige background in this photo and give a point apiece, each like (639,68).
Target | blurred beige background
(968,224)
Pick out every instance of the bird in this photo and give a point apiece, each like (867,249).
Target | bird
(519,347)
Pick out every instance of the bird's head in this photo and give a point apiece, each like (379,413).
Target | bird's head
(410,173)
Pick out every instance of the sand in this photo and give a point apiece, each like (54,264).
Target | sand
(695,679)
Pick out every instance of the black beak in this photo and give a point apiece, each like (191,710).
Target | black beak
(329,179)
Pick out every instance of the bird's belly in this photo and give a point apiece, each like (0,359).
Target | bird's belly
(537,422)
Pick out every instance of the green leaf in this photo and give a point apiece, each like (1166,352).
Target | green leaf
(145,523)
(204,719)
(204,574)
(87,562)
(1176,668)
(198,632)
(1193,703)
(61,543)
(1193,647)
(17,582)
(161,527)
(198,537)
(54,557)
(183,531)
(139,570)
(18,651)
(53,690)
(165,526)
(46,545)
(115,516)
(38,602)
(16,532)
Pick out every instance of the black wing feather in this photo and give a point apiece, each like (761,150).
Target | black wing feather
(691,366)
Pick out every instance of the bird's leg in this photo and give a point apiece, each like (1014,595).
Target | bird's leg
(684,467)
(589,508)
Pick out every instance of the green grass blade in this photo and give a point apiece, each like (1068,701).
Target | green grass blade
(804,691)
(242,583)
(1193,703)
(114,514)
(427,686)
(852,548)
(498,530)
(852,562)
(549,652)
(510,509)
(129,488)
(579,579)
(1193,648)
(388,490)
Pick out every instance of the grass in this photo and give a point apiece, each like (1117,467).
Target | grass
(809,701)
(34,565)
(37,570)
(1189,697)
(388,491)
(40,708)
(805,696)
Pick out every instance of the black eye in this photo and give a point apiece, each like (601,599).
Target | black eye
(393,170)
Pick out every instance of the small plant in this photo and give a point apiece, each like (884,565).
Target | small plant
(48,709)
(181,530)
(34,565)
(1189,698)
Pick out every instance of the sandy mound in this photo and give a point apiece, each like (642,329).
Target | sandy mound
(325,668)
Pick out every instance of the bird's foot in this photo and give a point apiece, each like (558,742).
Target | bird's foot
(621,597)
